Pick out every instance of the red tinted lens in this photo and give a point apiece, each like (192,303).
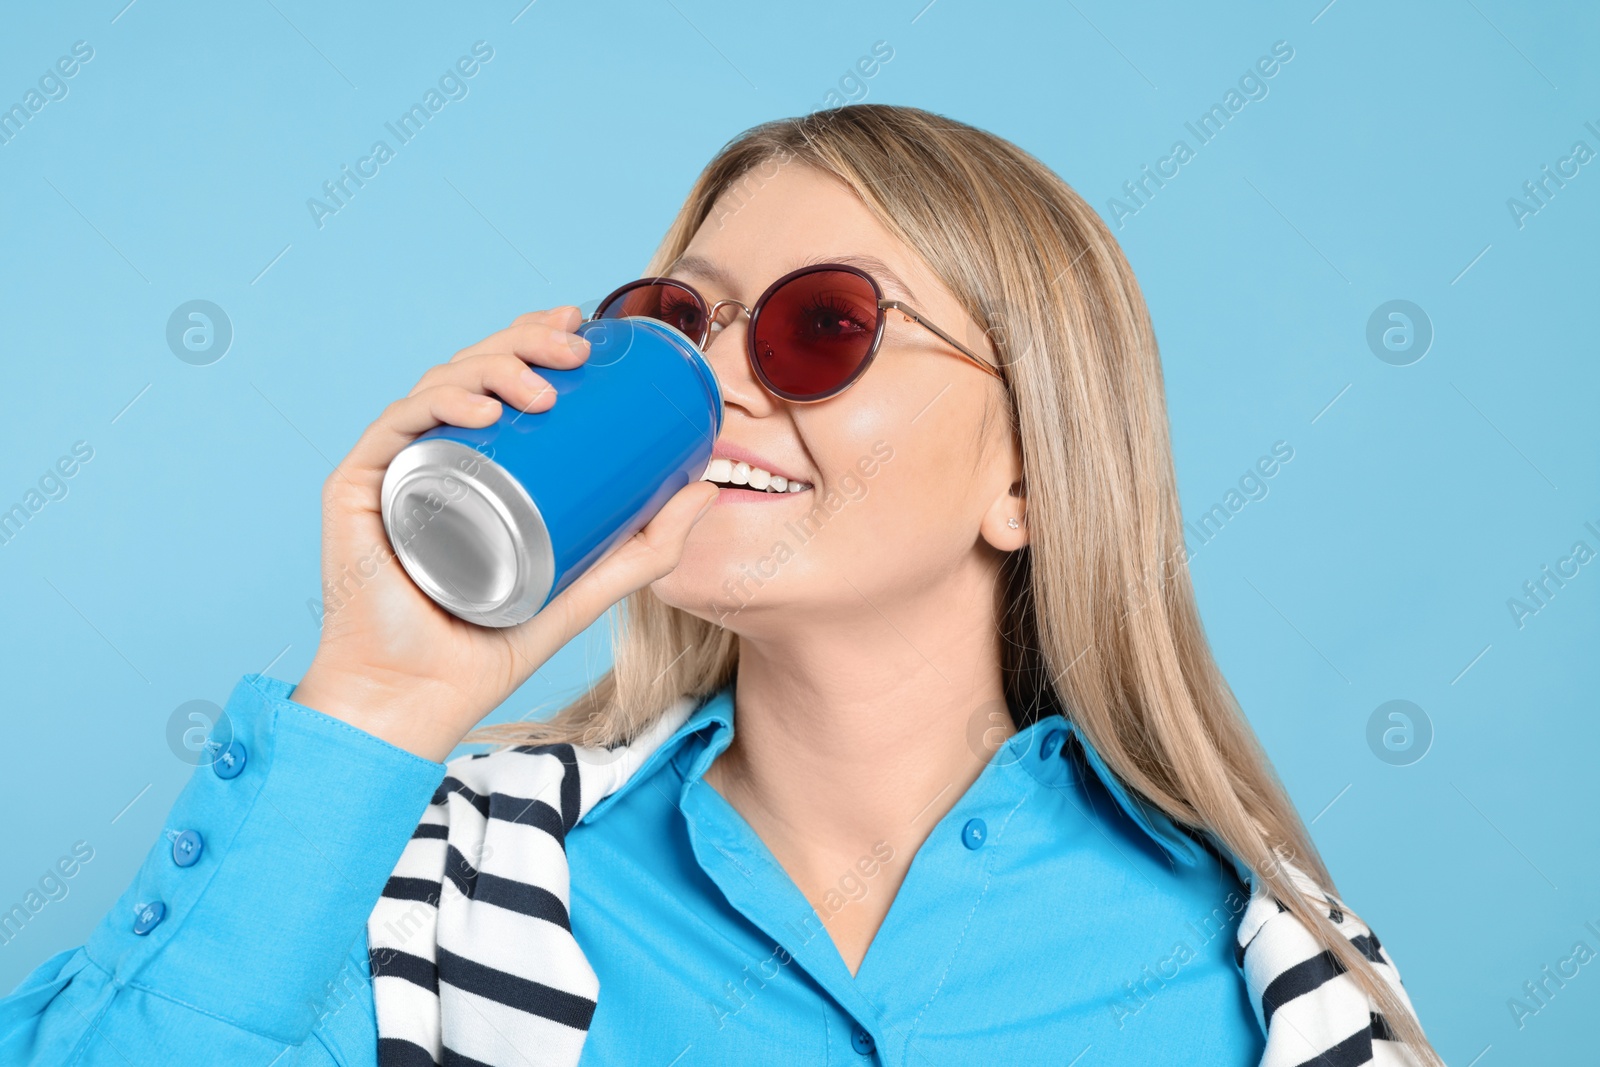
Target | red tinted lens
(815,332)
(672,304)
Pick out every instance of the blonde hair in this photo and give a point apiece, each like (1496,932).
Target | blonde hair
(1097,614)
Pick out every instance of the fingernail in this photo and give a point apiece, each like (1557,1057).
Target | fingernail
(702,512)
(579,345)
(531,379)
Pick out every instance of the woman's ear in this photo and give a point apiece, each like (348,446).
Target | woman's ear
(1005,524)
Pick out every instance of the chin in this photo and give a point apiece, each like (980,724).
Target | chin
(691,586)
(710,590)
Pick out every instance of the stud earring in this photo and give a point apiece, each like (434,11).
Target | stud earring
(1013,523)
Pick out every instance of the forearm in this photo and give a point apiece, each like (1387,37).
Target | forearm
(295,850)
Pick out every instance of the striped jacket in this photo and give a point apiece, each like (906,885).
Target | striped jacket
(461,883)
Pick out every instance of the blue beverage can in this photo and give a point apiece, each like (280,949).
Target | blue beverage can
(494,523)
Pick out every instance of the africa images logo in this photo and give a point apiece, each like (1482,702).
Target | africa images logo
(452,85)
(1206,127)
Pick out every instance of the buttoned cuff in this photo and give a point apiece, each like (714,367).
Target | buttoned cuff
(292,830)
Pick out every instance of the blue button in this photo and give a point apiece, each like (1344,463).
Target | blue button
(973,834)
(1052,741)
(150,917)
(862,1042)
(186,848)
(230,761)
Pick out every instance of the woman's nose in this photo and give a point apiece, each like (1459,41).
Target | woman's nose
(725,351)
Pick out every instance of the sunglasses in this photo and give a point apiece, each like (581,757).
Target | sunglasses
(812,334)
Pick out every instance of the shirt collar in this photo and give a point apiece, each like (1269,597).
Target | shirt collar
(716,713)
(715,710)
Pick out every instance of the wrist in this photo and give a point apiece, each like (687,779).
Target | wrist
(403,712)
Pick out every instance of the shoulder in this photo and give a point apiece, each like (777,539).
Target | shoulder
(1295,983)
(538,785)
(553,785)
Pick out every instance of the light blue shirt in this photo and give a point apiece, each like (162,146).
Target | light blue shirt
(1045,916)
(1048,916)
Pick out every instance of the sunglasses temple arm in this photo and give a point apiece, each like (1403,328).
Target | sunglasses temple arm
(981,362)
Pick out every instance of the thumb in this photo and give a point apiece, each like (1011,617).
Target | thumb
(628,566)
(660,542)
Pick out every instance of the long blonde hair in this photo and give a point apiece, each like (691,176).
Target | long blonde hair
(1097,614)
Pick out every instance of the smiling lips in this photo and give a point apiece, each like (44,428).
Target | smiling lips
(731,474)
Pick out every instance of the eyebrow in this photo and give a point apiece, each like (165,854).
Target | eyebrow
(702,267)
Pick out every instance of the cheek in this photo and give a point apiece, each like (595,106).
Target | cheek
(852,432)
(893,504)
(899,492)
(903,502)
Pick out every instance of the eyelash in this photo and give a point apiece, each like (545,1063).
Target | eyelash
(839,308)
(677,306)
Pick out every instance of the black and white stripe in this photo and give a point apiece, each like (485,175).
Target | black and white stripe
(474,963)
(1311,1010)
(472,954)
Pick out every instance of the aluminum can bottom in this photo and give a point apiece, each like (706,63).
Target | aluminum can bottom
(467,533)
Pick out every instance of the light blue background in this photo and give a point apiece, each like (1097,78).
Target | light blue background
(1378,568)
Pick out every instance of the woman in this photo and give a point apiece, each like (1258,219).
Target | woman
(981,743)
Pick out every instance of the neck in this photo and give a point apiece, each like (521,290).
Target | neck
(864,728)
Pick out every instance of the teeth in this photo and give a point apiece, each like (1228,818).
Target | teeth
(730,473)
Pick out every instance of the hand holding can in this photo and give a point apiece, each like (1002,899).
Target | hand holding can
(494,522)
(391,660)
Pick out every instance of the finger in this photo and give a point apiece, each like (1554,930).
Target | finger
(669,527)
(502,373)
(565,317)
(405,419)
(537,342)
(630,565)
